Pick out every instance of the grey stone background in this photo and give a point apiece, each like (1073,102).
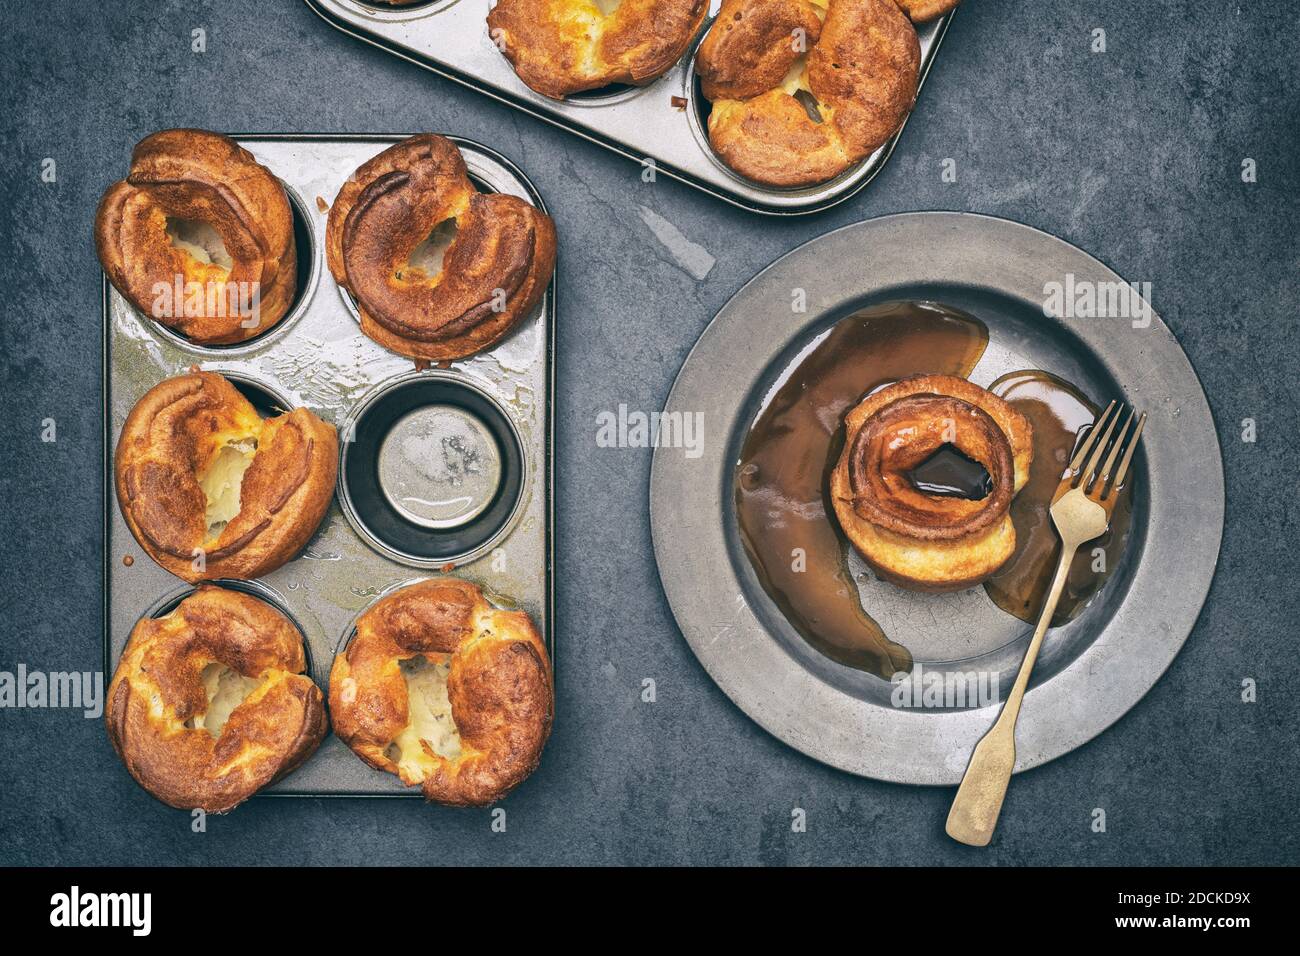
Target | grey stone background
(1134,155)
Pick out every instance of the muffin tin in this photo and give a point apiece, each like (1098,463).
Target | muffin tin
(491,414)
(450,37)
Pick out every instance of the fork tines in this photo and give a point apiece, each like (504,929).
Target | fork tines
(1102,482)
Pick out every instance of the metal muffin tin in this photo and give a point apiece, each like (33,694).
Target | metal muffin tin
(450,37)
(317,357)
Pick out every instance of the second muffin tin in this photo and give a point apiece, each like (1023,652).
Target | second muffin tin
(665,121)
(491,426)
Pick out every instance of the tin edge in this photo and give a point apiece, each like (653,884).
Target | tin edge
(447,72)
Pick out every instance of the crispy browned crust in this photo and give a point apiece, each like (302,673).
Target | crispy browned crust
(165,443)
(559,47)
(750,46)
(197,175)
(499,686)
(493,273)
(863,68)
(922,11)
(276,728)
(920,541)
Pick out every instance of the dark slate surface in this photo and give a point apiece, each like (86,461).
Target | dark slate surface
(1134,155)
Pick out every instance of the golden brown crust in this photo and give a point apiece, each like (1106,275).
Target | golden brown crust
(272,731)
(195,175)
(903,434)
(498,686)
(494,272)
(560,47)
(922,11)
(921,541)
(862,69)
(175,433)
(750,47)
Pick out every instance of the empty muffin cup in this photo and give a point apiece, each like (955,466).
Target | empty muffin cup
(439,447)
(432,469)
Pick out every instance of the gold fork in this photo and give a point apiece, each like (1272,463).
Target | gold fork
(1081,510)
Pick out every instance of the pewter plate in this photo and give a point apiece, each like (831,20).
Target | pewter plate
(1092,670)
(317,357)
(450,38)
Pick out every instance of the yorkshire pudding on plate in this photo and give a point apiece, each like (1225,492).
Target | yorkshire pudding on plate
(801,90)
(559,47)
(211,490)
(447,692)
(199,236)
(209,703)
(915,537)
(382,248)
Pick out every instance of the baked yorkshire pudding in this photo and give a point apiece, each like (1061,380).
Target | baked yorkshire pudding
(559,47)
(386,242)
(922,533)
(446,691)
(212,490)
(923,11)
(200,237)
(209,703)
(803,90)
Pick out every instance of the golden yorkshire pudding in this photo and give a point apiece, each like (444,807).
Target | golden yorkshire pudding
(209,703)
(446,691)
(418,295)
(211,490)
(923,11)
(559,47)
(914,534)
(200,237)
(803,90)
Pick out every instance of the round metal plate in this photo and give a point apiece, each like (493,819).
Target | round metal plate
(1091,671)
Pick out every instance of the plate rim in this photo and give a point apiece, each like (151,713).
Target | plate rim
(844,735)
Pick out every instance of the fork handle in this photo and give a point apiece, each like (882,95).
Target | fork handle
(975,809)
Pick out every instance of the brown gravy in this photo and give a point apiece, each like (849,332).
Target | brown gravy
(1058,411)
(950,474)
(798,551)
